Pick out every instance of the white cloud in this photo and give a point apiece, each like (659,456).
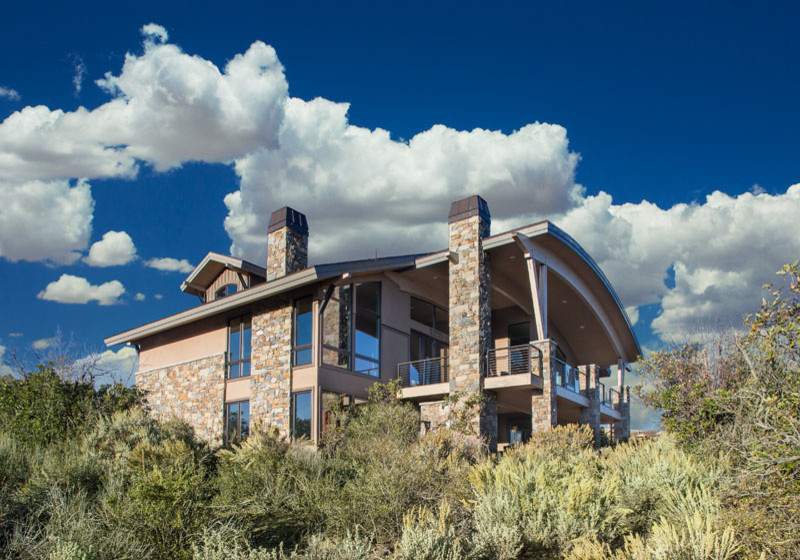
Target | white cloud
(116,248)
(5,369)
(398,193)
(155,31)
(74,289)
(9,93)
(80,73)
(158,297)
(110,366)
(168,264)
(140,296)
(44,220)
(722,251)
(43,343)
(15,334)
(167,108)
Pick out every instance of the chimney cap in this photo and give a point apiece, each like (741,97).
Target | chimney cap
(467,207)
(288,217)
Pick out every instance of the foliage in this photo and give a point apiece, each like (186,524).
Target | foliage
(47,408)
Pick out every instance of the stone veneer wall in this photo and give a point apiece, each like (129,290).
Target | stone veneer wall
(434,413)
(544,408)
(591,390)
(622,427)
(287,252)
(271,365)
(192,391)
(470,317)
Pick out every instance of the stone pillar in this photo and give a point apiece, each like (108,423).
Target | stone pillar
(271,365)
(622,427)
(591,415)
(287,246)
(544,406)
(470,309)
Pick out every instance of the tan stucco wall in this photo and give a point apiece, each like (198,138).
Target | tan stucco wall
(186,343)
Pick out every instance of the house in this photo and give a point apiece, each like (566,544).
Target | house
(525,317)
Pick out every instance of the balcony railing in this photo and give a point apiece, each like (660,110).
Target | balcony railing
(567,376)
(525,358)
(614,396)
(605,396)
(423,372)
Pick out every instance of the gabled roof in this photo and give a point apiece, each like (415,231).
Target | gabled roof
(211,266)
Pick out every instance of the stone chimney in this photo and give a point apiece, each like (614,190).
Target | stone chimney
(470,307)
(287,246)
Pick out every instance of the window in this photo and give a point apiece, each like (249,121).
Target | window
(237,422)
(301,416)
(239,343)
(430,315)
(226,290)
(425,347)
(303,321)
(351,328)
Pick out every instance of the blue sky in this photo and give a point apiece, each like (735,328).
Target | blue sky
(663,137)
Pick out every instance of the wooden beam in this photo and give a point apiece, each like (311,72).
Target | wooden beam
(542,293)
(537,308)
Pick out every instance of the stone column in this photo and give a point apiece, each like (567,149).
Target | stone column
(622,427)
(591,415)
(470,309)
(271,365)
(287,246)
(544,406)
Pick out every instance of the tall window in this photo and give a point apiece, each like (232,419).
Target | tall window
(226,290)
(303,324)
(351,328)
(301,415)
(430,315)
(239,343)
(237,422)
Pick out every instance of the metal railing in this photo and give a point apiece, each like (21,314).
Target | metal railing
(567,376)
(511,360)
(615,396)
(423,372)
(605,396)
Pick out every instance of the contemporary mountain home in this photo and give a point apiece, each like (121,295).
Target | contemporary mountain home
(524,317)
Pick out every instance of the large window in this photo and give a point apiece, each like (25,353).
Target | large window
(351,328)
(301,415)
(239,343)
(303,324)
(430,315)
(237,422)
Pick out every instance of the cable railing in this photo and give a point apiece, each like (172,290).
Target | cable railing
(615,396)
(512,360)
(605,396)
(423,372)
(567,376)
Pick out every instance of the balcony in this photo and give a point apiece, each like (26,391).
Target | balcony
(514,360)
(423,372)
(567,376)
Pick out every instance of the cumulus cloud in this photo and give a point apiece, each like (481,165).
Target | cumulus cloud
(116,248)
(167,107)
(139,296)
(398,193)
(168,264)
(5,369)
(9,93)
(15,334)
(153,31)
(44,220)
(721,250)
(42,343)
(119,366)
(74,289)
(158,297)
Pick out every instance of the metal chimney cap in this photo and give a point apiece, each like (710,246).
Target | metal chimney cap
(288,217)
(468,207)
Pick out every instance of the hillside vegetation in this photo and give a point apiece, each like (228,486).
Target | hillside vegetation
(86,474)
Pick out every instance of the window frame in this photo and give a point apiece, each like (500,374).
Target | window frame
(434,309)
(242,360)
(227,293)
(293,426)
(351,352)
(296,349)
(228,441)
